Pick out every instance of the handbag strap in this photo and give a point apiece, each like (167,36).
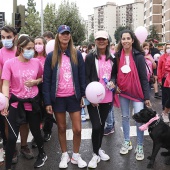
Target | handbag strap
(148,67)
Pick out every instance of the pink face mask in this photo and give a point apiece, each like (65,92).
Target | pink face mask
(168,51)
(146,52)
(39,48)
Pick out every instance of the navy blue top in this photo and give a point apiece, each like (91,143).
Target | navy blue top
(50,78)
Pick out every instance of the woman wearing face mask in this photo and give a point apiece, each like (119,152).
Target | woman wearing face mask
(40,54)
(84,52)
(22,74)
(149,60)
(9,36)
(163,78)
(133,87)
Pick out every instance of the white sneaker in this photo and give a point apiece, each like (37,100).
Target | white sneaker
(78,161)
(126,146)
(139,153)
(103,156)
(1,155)
(165,117)
(64,160)
(93,163)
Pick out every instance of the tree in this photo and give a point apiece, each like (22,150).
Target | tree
(68,14)
(91,38)
(50,20)
(33,26)
(117,32)
(153,33)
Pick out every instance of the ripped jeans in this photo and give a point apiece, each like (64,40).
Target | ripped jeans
(125,108)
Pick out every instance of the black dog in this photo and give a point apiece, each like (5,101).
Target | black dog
(158,131)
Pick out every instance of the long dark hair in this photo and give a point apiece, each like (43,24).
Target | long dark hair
(136,43)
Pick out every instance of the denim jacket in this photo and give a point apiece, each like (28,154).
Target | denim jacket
(51,76)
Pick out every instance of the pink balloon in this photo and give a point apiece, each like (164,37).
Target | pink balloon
(95,92)
(141,34)
(50,46)
(2,101)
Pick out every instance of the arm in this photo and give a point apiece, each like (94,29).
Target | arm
(0,81)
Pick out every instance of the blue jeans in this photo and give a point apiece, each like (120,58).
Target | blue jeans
(110,121)
(125,108)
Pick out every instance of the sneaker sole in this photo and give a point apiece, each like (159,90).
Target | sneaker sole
(42,163)
(96,165)
(66,166)
(124,153)
(105,159)
(105,134)
(27,156)
(139,159)
(75,163)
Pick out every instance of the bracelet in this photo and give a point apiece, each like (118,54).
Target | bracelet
(7,97)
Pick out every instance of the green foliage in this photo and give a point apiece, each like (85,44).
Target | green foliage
(33,26)
(50,20)
(68,14)
(153,33)
(117,32)
(91,38)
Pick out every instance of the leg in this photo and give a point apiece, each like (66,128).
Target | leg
(125,103)
(137,107)
(24,130)
(61,122)
(2,129)
(76,127)
(110,119)
(11,143)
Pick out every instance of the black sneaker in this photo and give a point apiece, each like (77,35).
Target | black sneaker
(47,137)
(34,145)
(108,131)
(157,96)
(40,160)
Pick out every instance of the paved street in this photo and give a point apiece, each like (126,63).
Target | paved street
(111,144)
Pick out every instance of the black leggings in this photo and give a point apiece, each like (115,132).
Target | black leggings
(2,129)
(34,123)
(97,126)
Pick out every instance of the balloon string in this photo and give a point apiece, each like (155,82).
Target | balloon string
(11,127)
(99,115)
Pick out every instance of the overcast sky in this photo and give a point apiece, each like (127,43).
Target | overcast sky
(85,6)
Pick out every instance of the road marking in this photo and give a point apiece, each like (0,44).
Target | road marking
(86,134)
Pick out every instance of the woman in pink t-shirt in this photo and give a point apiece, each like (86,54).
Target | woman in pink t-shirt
(22,74)
(99,65)
(63,88)
(40,54)
(149,60)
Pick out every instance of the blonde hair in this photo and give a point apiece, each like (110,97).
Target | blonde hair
(56,58)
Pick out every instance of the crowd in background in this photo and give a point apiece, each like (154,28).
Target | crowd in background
(38,86)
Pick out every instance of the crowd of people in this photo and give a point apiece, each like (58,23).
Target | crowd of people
(40,86)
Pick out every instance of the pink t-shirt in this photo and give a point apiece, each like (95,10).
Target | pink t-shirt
(17,72)
(104,71)
(65,82)
(5,55)
(149,63)
(42,61)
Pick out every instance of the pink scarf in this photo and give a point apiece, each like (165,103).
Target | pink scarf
(129,83)
(145,126)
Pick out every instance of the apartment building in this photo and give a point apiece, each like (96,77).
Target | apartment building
(157,13)
(104,18)
(165,20)
(131,14)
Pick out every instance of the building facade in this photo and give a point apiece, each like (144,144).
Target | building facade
(157,13)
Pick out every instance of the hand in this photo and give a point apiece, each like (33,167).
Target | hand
(49,109)
(30,83)
(160,83)
(111,85)
(4,112)
(148,103)
(118,90)
(82,103)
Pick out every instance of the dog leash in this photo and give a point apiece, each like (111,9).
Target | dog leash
(99,115)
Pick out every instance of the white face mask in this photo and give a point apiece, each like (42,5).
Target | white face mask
(7,43)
